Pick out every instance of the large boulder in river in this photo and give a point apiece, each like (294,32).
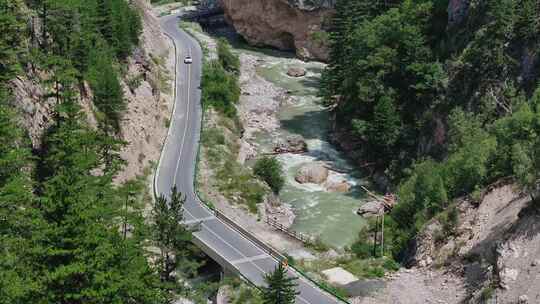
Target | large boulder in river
(370,209)
(296,71)
(315,173)
(292,144)
(337,183)
(338,186)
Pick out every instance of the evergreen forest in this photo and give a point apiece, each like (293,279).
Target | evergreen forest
(68,234)
(439,102)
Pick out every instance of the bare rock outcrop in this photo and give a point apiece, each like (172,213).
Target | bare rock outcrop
(275,209)
(291,144)
(150,102)
(338,186)
(336,182)
(36,110)
(495,242)
(296,72)
(371,208)
(315,173)
(283,24)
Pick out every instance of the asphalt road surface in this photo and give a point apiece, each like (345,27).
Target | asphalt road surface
(177,167)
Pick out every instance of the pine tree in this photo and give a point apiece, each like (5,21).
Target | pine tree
(88,260)
(349,15)
(20,222)
(281,287)
(12,27)
(172,237)
(108,93)
(384,127)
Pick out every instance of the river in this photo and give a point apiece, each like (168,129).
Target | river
(328,215)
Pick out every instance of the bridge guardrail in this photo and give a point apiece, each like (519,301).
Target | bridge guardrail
(274,252)
(305,239)
(271,250)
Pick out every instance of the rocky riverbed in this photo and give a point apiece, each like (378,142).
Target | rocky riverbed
(282,117)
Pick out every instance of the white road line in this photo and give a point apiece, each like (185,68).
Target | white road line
(186,122)
(241,254)
(173,114)
(250,259)
(195,221)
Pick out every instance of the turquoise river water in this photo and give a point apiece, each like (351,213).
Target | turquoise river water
(330,216)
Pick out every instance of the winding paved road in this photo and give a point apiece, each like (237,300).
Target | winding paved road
(177,167)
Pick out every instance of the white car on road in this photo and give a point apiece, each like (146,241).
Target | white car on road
(188,60)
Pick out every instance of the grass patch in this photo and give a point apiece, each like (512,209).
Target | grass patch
(213,136)
(361,268)
(320,37)
(190,26)
(239,185)
(241,293)
(486,294)
(233,180)
(370,268)
(317,244)
(134,82)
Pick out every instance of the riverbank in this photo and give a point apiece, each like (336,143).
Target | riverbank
(222,178)
(274,106)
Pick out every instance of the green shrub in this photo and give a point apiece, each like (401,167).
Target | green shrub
(321,37)
(390,264)
(228,60)
(270,170)
(487,294)
(212,137)
(370,268)
(290,260)
(362,249)
(220,90)
(317,244)
(134,82)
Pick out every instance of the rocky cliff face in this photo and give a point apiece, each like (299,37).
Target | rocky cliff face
(296,25)
(148,99)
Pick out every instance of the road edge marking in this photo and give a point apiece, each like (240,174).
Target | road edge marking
(171,116)
(186,121)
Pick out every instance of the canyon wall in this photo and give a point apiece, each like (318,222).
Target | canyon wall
(147,92)
(295,25)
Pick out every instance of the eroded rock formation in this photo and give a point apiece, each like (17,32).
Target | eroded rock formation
(315,173)
(284,24)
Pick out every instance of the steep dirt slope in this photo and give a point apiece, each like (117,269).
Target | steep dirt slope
(493,255)
(495,249)
(145,121)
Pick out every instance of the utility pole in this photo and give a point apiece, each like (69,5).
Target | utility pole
(382,236)
(375,236)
